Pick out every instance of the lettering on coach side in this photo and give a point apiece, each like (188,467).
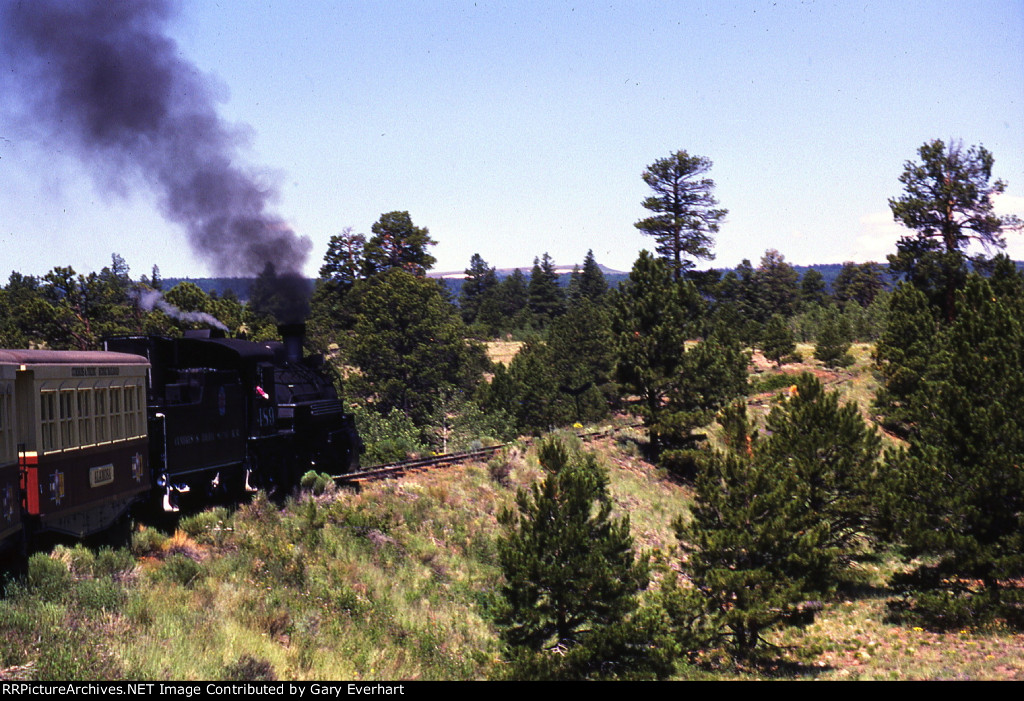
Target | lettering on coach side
(103,371)
(99,476)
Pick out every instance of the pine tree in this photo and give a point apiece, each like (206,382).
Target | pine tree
(749,547)
(547,300)
(572,578)
(948,201)
(777,340)
(479,284)
(834,340)
(513,300)
(410,344)
(858,282)
(686,218)
(581,345)
(777,517)
(775,287)
(537,405)
(680,388)
(593,286)
(834,456)
(902,355)
(813,289)
(957,492)
(651,320)
(397,243)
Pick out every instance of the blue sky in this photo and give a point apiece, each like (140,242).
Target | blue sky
(514,128)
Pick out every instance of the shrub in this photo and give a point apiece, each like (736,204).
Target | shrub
(205,527)
(317,482)
(179,569)
(113,563)
(49,579)
(103,594)
(147,541)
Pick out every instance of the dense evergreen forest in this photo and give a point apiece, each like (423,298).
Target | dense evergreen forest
(785,505)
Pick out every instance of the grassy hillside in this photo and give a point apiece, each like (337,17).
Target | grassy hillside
(398,581)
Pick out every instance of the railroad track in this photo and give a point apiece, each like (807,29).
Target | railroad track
(398,469)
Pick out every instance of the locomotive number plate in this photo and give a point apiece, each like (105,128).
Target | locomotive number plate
(98,476)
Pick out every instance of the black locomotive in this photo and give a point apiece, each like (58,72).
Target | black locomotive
(227,415)
(86,436)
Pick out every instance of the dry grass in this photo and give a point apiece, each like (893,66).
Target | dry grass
(851,640)
(503,351)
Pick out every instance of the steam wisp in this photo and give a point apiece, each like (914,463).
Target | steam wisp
(148,300)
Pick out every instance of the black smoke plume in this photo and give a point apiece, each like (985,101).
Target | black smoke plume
(102,78)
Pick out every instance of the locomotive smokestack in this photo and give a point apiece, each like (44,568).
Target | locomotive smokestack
(293,335)
(101,79)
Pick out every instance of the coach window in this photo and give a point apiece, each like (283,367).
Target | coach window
(48,419)
(84,416)
(99,404)
(116,420)
(129,411)
(67,418)
(101,415)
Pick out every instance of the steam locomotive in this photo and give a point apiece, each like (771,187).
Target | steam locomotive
(156,423)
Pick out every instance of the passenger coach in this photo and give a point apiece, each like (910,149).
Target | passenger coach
(73,445)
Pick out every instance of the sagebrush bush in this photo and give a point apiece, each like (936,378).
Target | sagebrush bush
(48,578)
(205,527)
(115,563)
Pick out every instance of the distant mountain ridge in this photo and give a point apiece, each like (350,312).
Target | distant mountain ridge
(453,279)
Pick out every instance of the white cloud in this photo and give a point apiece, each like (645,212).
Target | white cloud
(879,232)
(877,237)
(1006,205)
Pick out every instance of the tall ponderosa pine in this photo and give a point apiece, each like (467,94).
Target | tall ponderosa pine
(397,243)
(686,216)
(571,577)
(947,201)
(958,490)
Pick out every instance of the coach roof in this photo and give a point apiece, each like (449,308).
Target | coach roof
(54,357)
